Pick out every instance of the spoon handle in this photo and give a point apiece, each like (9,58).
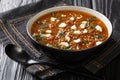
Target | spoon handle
(31,61)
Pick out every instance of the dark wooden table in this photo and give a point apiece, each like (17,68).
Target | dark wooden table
(10,70)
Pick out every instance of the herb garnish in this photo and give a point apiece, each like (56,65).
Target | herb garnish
(98,36)
(85,42)
(93,18)
(42,24)
(62,47)
(60,34)
(36,36)
(55,16)
(92,26)
(66,48)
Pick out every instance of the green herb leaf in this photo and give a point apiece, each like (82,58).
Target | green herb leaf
(98,36)
(93,18)
(60,34)
(53,14)
(85,42)
(92,26)
(67,48)
(42,24)
(43,39)
(35,36)
(56,45)
(39,22)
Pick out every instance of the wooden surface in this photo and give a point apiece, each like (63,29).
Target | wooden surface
(10,70)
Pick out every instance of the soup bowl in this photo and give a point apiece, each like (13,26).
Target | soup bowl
(70,55)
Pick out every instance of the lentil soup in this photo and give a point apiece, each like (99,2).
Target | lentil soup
(69,30)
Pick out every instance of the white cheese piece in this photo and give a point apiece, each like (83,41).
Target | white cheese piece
(46,35)
(83,24)
(85,31)
(64,44)
(63,15)
(62,25)
(72,18)
(67,38)
(73,27)
(77,32)
(99,42)
(48,31)
(52,19)
(98,28)
(77,40)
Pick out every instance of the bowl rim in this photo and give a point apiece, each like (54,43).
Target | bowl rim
(75,8)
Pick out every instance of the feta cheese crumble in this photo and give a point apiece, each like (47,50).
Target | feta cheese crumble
(62,25)
(83,24)
(46,35)
(72,18)
(48,31)
(77,40)
(73,27)
(98,28)
(64,44)
(52,19)
(63,15)
(67,38)
(99,42)
(77,32)
(85,31)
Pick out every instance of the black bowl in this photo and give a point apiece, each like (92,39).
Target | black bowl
(69,56)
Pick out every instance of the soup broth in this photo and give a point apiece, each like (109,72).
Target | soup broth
(69,30)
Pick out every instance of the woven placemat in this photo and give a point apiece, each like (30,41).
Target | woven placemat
(13,30)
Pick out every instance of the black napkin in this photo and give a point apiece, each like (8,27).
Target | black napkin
(13,30)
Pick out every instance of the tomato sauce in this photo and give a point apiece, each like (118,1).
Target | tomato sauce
(69,30)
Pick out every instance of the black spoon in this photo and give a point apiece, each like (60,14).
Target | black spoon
(18,54)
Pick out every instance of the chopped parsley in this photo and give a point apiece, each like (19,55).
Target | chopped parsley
(35,36)
(42,24)
(85,42)
(66,48)
(93,18)
(60,34)
(55,16)
(62,47)
(98,36)
(92,26)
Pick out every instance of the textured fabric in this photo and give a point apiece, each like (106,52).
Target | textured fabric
(13,30)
